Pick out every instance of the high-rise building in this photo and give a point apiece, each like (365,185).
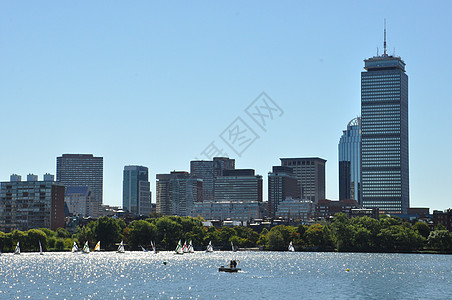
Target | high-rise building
(238,185)
(310,174)
(384,127)
(208,171)
(82,170)
(31,204)
(177,192)
(136,190)
(350,162)
(281,184)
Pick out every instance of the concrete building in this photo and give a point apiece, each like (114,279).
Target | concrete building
(31,204)
(82,170)
(208,171)
(238,185)
(310,174)
(384,127)
(349,150)
(281,184)
(136,189)
(177,193)
(243,211)
(81,202)
(295,209)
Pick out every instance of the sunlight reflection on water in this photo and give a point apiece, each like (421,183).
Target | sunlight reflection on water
(268,275)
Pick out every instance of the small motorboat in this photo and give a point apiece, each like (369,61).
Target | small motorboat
(228,269)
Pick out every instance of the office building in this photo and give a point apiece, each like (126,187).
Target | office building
(136,190)
(81,202)
(295,209)
(31,204)
(350,162)
(326,208)
(281,184)
(177,192)
(208,171)
(384,128)
(238,185)
(243,211)
(82,170)
(310,174)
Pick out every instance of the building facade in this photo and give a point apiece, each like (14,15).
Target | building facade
(81,202)
(310,174)
(295,209)
(82,170)
(136,190)
(281,184)
(243,211)
(349,151)
(326,208)
(208,171)
(177,193)
(32,204)
(238,185)
(384,127)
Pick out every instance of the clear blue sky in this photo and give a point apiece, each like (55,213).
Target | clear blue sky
(154,83)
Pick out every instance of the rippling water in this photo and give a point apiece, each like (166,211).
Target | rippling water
(264,275)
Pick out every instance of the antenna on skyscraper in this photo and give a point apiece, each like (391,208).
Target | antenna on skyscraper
(384,44)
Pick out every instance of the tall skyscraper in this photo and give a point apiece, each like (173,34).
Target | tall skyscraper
(82,170)
(281,184)
(350,162)
(177,192)
(384,125)
(310,174)
(136,190)
(208,171)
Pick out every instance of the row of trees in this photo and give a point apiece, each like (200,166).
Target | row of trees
(361,234)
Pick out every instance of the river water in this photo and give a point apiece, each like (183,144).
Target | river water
(264,275)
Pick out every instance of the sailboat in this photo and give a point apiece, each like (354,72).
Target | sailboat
(75,247)
(209,247)
(17,251)
(185,247)
(190,248)
(40,249)
(97,248)
(234,248)
(121,248)
(144,249)
(179,249)
(154,249)
(291,248)
(86,248)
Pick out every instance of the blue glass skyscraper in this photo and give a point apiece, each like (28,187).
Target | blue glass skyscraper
(350,162)
(136,190)
(384,125)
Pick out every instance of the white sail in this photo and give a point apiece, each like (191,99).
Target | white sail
(75,247)
(234,248)
(143,249)
(17,251)
(153,247)
(190,248)
(209,247)
(121,248)
(97,248)
(185,247)
(179,249)
(40,248)
(86,248)
(291,248)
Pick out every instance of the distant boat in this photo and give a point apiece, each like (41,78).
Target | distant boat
(97,248)
(121,248)
(40,249)
(144,249)
(190,248)
(291,248)
(86,248)
(231,268)
(17,251)
(209,247)
(74,247)
(179,249)
(154,249)
(185,247)
(234,248)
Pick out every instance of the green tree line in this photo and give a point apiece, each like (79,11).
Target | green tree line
(361,234)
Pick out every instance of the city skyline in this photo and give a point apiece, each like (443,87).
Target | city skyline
(183,73)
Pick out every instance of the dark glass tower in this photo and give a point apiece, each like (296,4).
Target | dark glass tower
(349,162)
(384,121)
(136,193)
